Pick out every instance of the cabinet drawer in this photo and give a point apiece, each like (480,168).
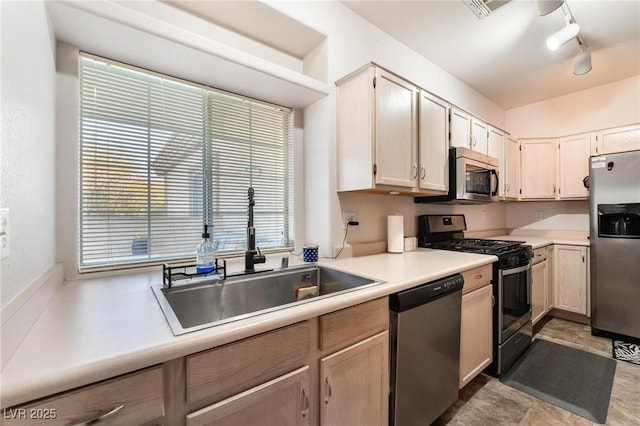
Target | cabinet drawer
(228,370)
(140,396)
(476,278)
(349,325)
(539,255)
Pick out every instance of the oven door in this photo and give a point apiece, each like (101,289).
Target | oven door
(514,300)
(475,180)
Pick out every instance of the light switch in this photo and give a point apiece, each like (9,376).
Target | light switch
(4,233)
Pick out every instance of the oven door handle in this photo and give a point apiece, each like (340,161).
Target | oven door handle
(515,270)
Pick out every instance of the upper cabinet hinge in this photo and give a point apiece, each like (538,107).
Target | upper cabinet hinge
(375,169)
(374,82)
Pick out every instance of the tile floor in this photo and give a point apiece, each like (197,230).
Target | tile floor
(486,401)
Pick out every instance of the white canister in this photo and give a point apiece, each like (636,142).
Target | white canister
(395,233)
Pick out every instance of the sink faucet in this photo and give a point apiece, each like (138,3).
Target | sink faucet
(252,255)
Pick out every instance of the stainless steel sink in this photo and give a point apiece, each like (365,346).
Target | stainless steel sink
(193,307)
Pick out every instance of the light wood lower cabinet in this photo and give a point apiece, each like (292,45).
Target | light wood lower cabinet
(283,401)
(476,336)
(355,384)
(134,399)
(540,290)
(571,281)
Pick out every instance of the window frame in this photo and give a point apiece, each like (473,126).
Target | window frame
(288,217)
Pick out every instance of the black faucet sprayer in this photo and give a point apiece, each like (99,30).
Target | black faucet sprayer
(252,255)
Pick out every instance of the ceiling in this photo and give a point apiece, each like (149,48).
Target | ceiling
(504,56)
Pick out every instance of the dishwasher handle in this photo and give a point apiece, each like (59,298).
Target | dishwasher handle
(417,296)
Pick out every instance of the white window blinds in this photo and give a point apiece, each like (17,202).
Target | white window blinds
(161,157)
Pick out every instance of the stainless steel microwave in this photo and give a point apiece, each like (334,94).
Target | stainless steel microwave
(473,179)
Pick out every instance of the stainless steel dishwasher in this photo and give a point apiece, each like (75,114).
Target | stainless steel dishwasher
(425,351)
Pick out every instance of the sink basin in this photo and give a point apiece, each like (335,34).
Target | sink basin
(193,307)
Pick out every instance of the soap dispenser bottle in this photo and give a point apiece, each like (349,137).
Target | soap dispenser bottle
(205,261)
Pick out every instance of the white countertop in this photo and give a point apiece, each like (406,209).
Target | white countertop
(540,241)
(100,328)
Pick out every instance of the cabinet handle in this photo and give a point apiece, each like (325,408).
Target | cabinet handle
(493,301)
(100,418)
(477,277)
(583,258)
(554,189)
(414,171)
(305,403)
(423,172)
(327,395)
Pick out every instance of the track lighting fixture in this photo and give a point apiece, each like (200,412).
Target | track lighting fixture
(545,7)
(582,62)
(569,32)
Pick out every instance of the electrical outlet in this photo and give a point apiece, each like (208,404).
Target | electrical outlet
(346,218)
(4,233)
(538,216)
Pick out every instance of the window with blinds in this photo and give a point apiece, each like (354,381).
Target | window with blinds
(161,157)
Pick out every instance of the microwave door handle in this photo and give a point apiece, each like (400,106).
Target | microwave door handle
(495,192)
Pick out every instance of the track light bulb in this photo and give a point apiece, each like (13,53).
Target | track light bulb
(561,37)
(582,63)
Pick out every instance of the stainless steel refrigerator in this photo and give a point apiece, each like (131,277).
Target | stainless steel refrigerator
(614,207)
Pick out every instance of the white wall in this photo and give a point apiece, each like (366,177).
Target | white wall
(28,142)
(352,42)
(609,105)
(556,215)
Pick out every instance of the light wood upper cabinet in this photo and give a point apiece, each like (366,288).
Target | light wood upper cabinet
(511,171)
(538,173)
(377,131)
(573,166)
(395,130)
(355,384)
(479,136)
(468,131)
(433,143)
(460,129)
(496,148)
(619,139)
(571,279)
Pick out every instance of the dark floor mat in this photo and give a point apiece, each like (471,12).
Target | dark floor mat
(569,378)
(624,351)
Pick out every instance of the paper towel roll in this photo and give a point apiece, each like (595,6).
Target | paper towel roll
(395,234)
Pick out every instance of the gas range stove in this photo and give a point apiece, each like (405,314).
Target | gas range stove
(446,233)
(475,245)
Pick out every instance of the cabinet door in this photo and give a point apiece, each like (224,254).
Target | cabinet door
(460,129)
(476,334)
(619,139)
(479,136)
(282,401)
(538,291)
(396,131)
(538,160)
(496,148)
(355,122)
(355,384)
(511,173)
(573,166)
(434,143)
(570,282)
